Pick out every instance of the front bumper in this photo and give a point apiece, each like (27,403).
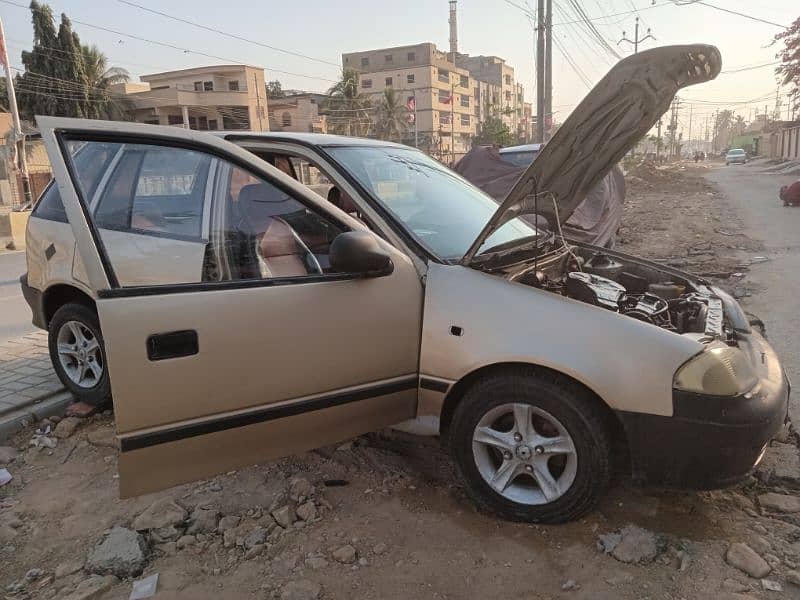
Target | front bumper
(711,441)
(34,299)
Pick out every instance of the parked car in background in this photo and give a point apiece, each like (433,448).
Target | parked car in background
(237,316)
(736,156)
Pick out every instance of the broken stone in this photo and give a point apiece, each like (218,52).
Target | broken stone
(793,577)
(256,537)
(92,588)
(300,487)
(104,437)
(631,544)
(123,553)
(780,502)
(284,516)
(203,520)
(744,558)
(8,454)
(316,562)
(781,462)
(68,567)
(760,544)
(66,427)
(229,538)
(161,513)
(379,548)
(307,511)
(42,441)
(569,584)
(619,579)
(170,548)
(345,554)
(229,522)
(185,541)
(254,551)
(33,574)
(301,589)
(731,585)
(163,535)
(771,585)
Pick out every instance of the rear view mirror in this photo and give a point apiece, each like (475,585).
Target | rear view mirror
(360,252)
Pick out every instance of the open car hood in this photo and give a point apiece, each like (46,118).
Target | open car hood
(609,121)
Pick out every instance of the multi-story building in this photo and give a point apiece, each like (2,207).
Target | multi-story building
(444,94)
(298,112)
(504,96)
(220,97)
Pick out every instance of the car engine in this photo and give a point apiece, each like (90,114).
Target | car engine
(636,291)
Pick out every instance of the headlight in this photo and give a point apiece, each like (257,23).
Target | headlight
(719,371)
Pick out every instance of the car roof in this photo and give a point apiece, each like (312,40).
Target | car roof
(737,150)
(521,148)
(306,139)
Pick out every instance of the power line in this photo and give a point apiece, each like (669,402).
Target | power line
(227,34)
(751,68)
(728,10)
(174,47)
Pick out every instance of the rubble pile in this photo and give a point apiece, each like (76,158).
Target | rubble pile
(647,175)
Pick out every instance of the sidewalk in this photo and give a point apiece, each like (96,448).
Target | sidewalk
(29,388)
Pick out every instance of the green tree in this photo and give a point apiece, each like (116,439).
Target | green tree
(274,89)
(391,123)
(104,103)
(493,132)
(3,94)
(347,107)
(789,69)
(723,129)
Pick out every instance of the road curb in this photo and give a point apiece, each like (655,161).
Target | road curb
(45,406)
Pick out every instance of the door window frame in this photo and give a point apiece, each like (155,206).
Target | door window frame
(115,290)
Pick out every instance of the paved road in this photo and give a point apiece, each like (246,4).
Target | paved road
(755,197)
(15,316)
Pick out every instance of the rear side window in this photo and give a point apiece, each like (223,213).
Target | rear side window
(50,206)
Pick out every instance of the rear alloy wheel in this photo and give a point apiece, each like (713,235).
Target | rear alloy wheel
(532,446)
(78,354)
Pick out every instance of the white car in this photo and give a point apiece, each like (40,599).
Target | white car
(736,156)
(235,315)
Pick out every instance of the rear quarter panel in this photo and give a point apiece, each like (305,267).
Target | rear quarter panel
(44,272)
(627,363)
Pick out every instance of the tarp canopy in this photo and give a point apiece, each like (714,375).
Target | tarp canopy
(594,221)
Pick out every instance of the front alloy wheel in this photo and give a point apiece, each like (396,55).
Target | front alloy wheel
(532,445)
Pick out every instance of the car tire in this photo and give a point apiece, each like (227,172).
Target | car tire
(78,353)
(555,404)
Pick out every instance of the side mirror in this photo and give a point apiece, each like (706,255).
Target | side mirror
(359,252)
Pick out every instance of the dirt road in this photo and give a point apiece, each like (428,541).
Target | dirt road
(383,516)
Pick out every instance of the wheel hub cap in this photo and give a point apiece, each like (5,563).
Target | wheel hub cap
(79,354)
(524,453)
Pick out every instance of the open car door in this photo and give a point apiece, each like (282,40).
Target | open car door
(253,348)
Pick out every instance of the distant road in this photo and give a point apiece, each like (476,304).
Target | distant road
(15,316)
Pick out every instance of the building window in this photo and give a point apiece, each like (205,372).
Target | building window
(410,78)
(465,119)
(508,79)
(192,122)
(212,125)
(366,83)
(508,96)
(208,86)
(444,117)
(411,56)
(465,100)
(388,59)
(444,96)
(202,123)
(286,120)
(198,86)
(388,82)
(174,120)
(365,61)
(444,76)
(464,81)
(233,86)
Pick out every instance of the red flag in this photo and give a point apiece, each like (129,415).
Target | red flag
(448,100)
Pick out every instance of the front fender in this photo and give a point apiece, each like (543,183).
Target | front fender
(628,363)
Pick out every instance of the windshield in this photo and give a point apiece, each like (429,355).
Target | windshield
(735,152)
(520,159)
(442,210)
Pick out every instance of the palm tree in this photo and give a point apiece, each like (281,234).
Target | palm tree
(391,119)
(104,103)
(347,107)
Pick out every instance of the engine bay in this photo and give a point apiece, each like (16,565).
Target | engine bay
(634,289)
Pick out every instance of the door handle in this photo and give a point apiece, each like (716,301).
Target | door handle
(172,344)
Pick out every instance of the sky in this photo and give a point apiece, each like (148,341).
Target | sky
(322,30)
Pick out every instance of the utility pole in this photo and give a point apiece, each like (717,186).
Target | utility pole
(715,132)
(548,67)
(540,72)
(258,103)
(658,142)
(19,137)
(636,39)
(705,137)
(689,137)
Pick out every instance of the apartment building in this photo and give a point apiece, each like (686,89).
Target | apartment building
(504,97)
(443,92)
(218,97)
(298,112)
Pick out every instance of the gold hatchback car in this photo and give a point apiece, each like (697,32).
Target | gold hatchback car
(244,296)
